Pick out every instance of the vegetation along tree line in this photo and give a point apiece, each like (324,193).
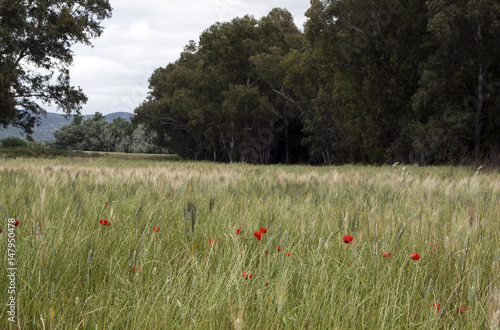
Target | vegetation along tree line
(385,81)
(374,82)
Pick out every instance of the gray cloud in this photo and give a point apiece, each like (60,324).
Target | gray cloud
(144,35)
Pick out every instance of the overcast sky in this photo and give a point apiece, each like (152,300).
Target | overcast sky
(147,34)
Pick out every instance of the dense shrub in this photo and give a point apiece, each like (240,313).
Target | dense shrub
(13,142)
(43,153)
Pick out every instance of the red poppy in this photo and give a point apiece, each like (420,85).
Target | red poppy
(16,223)
(462,309)
(263,230)
(289,254)
(265,252)
(279,248)
(0,231)
(434,247)
(238,231)
(136,269)
(415,256)
(156,228)
(246,275)
(258,234)
(267,283)
(436,306)
(107,203)
(105,222)
(386,254)
(210,242)
(428,173)
(348,239)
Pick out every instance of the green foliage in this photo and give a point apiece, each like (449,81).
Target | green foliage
(39,34)
(96,134)
(459,81)
(144,141)
(13,142)
(29,152)
(375,82)
(224,98)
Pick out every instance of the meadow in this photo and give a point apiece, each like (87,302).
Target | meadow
(143,244)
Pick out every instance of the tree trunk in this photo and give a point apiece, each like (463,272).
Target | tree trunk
(287,151)
(478,115)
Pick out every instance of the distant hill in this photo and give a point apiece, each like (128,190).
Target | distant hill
(53,122)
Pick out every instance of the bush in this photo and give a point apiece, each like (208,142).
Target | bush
(40,153)
(13,142)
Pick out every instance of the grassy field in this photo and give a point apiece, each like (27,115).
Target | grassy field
(204,268)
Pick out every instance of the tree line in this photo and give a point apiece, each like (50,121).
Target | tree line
(96,134)
(385,81)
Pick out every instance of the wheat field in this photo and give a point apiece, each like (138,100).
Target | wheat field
(137,244)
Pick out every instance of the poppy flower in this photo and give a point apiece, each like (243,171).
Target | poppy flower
(105,222)
(415,256)
(436,306)
(246,275)
(238,231)
(386,254)
(0,231)
(258,234)
(279,248)
(107,203)
(156,228)
(348,239)
(265,252)
(210,242)
(289,254)
(434,247)
(462,309)
(136,269)
(267,283)
(263,230)
(16,223)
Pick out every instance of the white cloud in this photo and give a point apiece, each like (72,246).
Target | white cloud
(144,35)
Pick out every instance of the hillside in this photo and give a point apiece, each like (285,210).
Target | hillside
(54,121)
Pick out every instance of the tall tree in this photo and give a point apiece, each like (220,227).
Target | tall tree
(220,99)
(35,48)
(367,54)
(459,82)
(178,104)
